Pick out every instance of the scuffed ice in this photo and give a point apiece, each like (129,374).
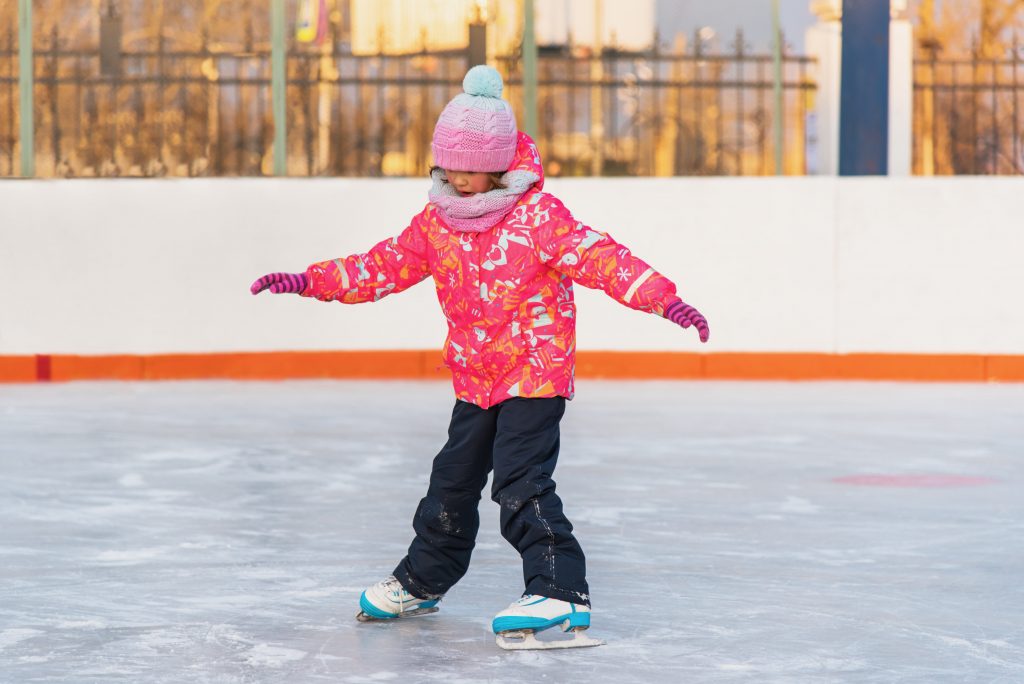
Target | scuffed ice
(219,532)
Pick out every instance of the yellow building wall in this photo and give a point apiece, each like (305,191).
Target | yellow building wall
(400,26)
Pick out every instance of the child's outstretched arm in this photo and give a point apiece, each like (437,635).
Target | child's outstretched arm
(595,260)
(388,267)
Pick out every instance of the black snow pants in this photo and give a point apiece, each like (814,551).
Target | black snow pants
(518,439)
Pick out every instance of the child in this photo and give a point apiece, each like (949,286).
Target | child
(503,256)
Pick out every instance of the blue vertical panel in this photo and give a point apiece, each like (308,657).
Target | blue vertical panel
(864,90)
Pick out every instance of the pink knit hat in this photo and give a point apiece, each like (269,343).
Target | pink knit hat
(477,129)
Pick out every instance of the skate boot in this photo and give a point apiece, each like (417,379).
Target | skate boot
(515,627)
(388,600)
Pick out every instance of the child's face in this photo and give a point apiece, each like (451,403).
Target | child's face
(469,182)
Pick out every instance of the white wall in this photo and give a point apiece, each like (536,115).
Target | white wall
(789,264)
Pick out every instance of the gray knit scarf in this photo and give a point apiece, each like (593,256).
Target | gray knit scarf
(484,210)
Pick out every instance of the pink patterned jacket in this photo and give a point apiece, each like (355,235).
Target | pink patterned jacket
(506,292)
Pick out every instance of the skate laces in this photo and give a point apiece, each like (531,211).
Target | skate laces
(389,586)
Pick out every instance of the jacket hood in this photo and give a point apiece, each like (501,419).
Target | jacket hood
(526,161)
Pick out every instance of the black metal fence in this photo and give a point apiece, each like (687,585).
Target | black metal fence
(8,104)
(669,112)
(968,117)
(684,111)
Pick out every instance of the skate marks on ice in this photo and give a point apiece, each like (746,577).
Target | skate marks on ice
(514,640)
(528,640)
(184,532)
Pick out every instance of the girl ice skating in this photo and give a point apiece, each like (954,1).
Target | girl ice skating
(503,257)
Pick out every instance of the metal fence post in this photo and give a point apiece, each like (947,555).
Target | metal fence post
(25,89)
(778,113)
(477,51)
(110,42)
(277,86)
(597,93)
(529,70)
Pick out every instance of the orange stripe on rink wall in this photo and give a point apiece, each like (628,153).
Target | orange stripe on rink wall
(801,366)
(236,366)
(898,367)
(399,364)
(426,365)
(1006,368)
(64,368)
(18,369)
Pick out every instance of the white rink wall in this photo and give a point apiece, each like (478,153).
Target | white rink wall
(777,265)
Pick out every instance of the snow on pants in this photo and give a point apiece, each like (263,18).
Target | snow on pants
(518,438)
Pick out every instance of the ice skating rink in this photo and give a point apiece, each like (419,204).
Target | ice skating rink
(735,532)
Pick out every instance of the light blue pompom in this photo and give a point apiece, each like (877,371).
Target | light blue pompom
(483,80)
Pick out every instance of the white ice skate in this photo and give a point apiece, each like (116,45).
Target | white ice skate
(388,600)
(515,627)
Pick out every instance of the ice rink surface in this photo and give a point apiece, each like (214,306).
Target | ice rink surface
(735,532)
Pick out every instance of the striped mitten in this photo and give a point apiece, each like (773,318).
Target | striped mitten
(279,283)
(681,313)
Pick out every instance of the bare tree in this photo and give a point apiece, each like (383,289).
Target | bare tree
(960,26)
(966,124)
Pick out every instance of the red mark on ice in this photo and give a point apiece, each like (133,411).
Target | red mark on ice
(914,480)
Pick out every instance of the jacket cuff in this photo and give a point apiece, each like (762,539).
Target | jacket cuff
(664,304)
(314,279)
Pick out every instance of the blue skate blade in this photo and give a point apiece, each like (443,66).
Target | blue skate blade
(510,623)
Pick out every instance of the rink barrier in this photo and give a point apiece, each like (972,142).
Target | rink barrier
(425,365)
